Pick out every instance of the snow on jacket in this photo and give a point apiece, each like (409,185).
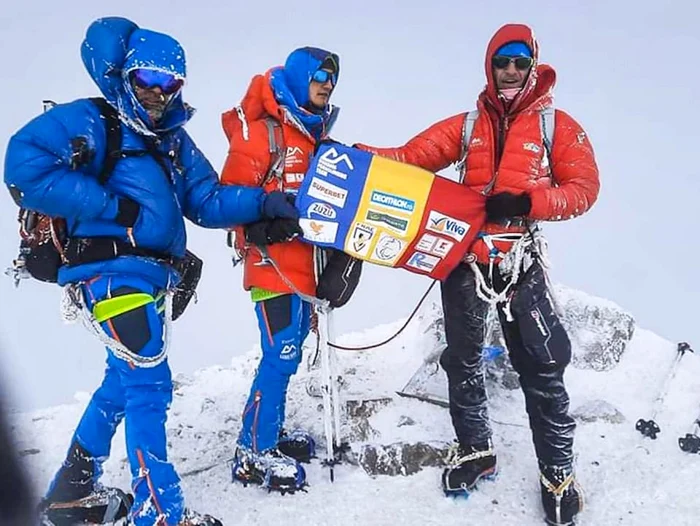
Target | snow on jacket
(38,161)
(279,94)
(506,151)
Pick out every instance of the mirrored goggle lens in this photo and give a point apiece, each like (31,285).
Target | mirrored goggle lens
(502,62)
(150,78)
(324,76)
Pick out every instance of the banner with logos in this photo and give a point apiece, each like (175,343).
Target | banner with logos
(386,212)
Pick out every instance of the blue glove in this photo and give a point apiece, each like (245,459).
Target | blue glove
(279,204)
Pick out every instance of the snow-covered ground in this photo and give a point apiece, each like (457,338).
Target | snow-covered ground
(627,479)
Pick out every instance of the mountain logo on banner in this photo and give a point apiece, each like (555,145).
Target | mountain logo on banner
(329,163)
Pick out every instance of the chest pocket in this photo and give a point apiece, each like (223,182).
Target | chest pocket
(547,128)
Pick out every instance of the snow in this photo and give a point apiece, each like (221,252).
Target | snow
(627,479)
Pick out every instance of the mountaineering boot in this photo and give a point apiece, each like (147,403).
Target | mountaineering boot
(271,469)
(297,444)
(562,497)
(192,518)
(466,466)
(74,496)
(102,506)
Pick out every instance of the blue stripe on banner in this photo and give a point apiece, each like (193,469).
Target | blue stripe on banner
(330,193)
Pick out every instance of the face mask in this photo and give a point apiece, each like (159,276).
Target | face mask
(509,93)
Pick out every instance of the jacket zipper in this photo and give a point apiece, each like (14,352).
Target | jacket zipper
(503,124)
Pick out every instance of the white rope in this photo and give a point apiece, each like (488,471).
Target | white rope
(524,244)
(266,259)
(73,307)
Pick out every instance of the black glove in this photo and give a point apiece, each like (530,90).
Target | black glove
(279,204)
(505,205)
(128,212)
(265,233)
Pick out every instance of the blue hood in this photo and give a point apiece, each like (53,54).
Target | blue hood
(115,46)
(291,88)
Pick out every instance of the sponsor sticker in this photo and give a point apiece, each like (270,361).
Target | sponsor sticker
(387,248)
(293,177)
(319,230)
(327,192)
(398,224)
(435,245)
(422,261)
(447,225)
(393,201)
(321,209)
(361,238)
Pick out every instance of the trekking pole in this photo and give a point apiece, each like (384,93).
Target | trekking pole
(329,392)
(690,443)
(649,428)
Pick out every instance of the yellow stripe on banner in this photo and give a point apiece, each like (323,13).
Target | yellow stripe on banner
(111,307)
(390,210)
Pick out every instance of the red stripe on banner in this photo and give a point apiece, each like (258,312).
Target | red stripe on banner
(453,216)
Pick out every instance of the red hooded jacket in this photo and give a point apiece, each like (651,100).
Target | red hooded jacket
(248,161)
(506,151)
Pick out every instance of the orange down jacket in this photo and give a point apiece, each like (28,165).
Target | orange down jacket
(506,151)
(248,161)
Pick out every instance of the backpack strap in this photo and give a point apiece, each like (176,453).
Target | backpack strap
(467,130)
(277,150)
(113,130)
(547,127)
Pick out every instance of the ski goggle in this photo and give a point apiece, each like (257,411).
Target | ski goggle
(502,62)
(151,78)
(324,76)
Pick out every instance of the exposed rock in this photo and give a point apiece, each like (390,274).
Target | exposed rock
(406,421)
(595,410)
(599,331)
(358,412)
(401,458)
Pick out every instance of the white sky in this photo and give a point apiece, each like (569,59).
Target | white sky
(627,72)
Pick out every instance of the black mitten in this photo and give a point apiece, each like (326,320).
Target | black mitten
(505,205)
(265,233)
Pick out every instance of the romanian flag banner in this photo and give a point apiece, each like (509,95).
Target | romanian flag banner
(387,213)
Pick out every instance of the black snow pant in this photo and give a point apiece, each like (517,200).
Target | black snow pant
(539,350)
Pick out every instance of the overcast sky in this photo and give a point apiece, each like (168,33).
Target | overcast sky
(628,72)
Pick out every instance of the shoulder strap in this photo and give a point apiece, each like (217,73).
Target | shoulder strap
(113,130)
(467,130)
(277,150)
(547,127)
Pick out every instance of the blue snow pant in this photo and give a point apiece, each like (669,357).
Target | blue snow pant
(284,323)
(140,395)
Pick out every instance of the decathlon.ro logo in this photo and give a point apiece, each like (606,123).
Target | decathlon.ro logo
(393,201)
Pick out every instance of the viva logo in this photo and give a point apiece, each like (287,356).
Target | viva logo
(447,225)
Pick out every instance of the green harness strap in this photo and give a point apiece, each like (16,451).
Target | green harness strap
(111,307)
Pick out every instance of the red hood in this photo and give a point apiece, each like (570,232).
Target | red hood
(540,81)
(259,99)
